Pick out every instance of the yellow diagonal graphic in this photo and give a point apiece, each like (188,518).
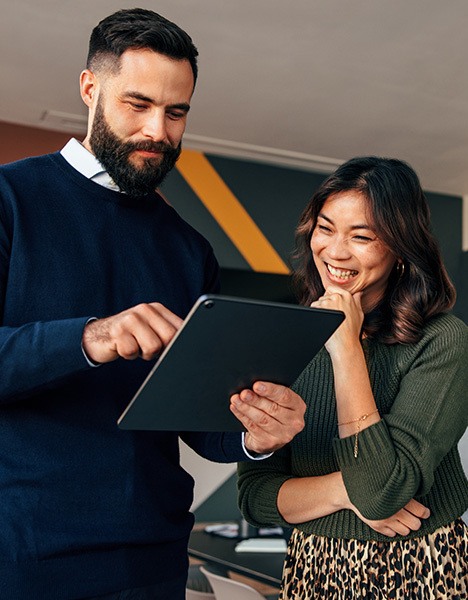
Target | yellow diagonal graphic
(229,213)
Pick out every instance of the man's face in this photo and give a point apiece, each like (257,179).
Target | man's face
(139,119)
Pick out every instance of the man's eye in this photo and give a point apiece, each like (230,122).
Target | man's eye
(176,115)
(137,106)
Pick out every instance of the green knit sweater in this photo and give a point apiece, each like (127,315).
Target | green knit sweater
(421,391)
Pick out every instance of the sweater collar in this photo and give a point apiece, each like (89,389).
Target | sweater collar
(87,164)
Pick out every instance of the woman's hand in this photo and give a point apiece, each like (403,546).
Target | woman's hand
(403,522)
(348,333)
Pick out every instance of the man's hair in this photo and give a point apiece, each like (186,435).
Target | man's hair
(400,215)
(138,29)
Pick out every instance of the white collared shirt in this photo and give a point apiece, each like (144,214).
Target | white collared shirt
(87,164)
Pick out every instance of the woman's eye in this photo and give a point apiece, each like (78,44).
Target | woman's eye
(362,238)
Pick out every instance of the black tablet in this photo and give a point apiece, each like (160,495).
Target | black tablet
(224,345)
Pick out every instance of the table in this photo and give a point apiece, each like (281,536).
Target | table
(262,566)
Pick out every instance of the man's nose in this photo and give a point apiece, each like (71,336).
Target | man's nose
(155,127)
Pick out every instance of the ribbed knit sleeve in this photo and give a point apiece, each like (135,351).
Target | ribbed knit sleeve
(259,483)
(399,455)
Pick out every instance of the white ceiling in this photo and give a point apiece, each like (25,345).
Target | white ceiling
(305,82)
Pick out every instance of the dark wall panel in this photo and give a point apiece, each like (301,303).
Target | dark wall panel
(186,203)
(273,196)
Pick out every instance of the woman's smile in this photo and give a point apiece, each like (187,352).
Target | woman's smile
(341,275)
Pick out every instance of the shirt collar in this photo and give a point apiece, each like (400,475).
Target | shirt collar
(86,163)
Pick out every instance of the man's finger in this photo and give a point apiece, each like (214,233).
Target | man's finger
(275,392)
(168,315)
(250,411)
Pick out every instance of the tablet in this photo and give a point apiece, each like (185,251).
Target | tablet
(224,345)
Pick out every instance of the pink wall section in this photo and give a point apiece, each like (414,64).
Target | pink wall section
(19,141)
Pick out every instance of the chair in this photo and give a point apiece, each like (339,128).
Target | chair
(229,589)
(198,586)
(194,595)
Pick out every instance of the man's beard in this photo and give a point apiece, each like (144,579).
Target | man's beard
(114,154)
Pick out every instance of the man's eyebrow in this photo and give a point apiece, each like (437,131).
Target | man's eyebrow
(138,96)
(357,226)
(181,106)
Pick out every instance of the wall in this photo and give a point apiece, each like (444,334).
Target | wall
(17,141)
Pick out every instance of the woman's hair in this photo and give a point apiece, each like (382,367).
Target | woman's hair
(137,29)
(416,291)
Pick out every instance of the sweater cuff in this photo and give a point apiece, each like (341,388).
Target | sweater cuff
(365,475)
(233,447)
(64,339)
(90,362)
(266,503)
(371,442)
(253,455)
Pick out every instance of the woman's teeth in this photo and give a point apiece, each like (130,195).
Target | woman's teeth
(341,273)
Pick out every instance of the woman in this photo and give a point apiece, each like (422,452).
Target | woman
(373,485)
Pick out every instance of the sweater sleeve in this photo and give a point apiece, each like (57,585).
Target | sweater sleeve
(398,456)
(34,355)
(221,447)
(259,484)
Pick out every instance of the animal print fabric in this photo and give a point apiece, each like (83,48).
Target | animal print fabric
(433,567)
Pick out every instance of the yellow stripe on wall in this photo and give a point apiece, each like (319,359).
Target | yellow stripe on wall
(229,213)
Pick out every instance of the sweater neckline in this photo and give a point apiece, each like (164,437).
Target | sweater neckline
(101,192)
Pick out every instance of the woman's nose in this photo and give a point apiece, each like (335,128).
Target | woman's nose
(338,248)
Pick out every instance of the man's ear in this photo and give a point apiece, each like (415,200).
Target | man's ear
(88,87)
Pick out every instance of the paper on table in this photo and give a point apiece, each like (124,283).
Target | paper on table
(262,545)
(229,530)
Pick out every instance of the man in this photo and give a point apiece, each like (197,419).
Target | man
(88,510)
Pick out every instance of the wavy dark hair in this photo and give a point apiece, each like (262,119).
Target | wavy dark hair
(401,219)
(136,29)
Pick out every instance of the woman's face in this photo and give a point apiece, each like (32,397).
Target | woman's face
(347,251)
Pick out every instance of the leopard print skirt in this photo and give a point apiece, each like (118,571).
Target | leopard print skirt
(432,567)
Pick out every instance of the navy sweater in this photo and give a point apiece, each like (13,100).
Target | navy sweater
(86,508)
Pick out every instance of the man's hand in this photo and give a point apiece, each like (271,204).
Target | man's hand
(141,331)
(271,413)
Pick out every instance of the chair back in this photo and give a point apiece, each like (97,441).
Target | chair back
(198,587)
(229,589)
